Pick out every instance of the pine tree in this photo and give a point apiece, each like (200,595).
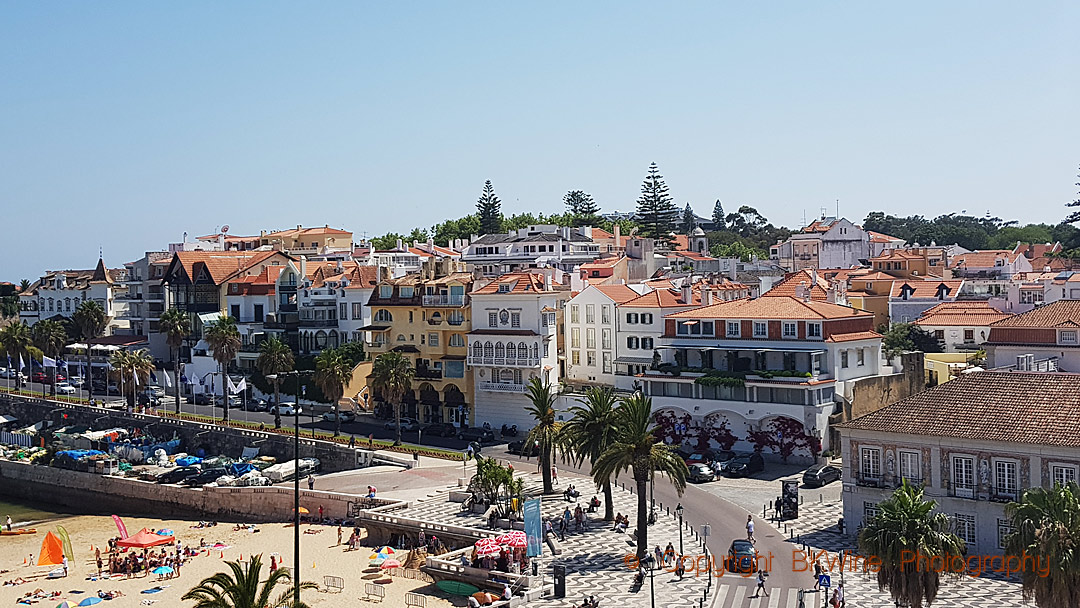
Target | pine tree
(581,205)
(1075,215)
(689,220)
(489,209)
(718,216)
(656,210)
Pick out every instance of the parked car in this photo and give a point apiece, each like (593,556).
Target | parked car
(344,416)
(701,472)
(440,429)
(820,475)
(236,402)
(721,459)
(699,457)
(205,477)
(156,391)
(742,557)
(146,399)
(76,381)
(63,388)
(407,424)
(287,408)
(518,447)
(745,466)
(478,434)
(44,378)
(204,399)
(256,405)
(177,475)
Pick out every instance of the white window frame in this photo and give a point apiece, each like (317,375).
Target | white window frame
(870,462)
(493,319)
(590,337)
(870,511)
(906,466)
(733,329)
(646,318)
(631,318)
(575,313)
(1004,528)
(515,319)
(605,314)
(761,329)
(575,337)
(1006,473)
(965,525)
(605,338)
(962,490)
(590,314)
(790,330)
(646,343)
(860,357)
(1062,473)
(575,357)
(590,358)
(605,359)
(813,330)
(1067,336)
(843,359)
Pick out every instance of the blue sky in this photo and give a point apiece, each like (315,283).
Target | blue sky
(122,125)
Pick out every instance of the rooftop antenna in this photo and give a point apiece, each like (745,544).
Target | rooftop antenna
(837,208)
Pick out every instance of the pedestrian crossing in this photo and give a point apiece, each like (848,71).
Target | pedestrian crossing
(742,596)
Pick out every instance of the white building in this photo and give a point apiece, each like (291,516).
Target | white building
(514,339)
(639,326)
(589,338)
(963,325)
(146,300)
(532,247)
(58,293)
(825,243)
(974,444)
(333,304)
(1049,333)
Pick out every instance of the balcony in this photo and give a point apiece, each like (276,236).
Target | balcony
(376,345)
(428,374)
(284,325)
(128,296)
(318,323)
(869,482)
(286,307)
(500,361)
(498,387)
(434,321)
(445,300)
(321,303)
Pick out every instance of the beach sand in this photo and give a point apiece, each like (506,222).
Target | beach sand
(319,556)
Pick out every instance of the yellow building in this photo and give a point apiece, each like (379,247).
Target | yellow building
(320,240)
(870,291)
(425,316)
(942,367)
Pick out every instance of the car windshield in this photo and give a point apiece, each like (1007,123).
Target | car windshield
(742,546)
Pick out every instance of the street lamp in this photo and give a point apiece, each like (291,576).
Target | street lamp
(296,481)
(650,565)
(679,512)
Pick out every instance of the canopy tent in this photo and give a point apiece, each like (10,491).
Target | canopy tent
(144,539)
(52,551)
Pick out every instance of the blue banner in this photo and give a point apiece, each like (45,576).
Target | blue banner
(534,529)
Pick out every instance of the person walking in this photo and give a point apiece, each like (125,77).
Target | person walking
(669,553)
(311,482)
(554,474)
(339,536)
(761,576)
(750,529)
(9,523)
(840,595)
(659,555)
(817,574)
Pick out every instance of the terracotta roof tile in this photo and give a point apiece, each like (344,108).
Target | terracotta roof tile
(663,298)
(925,288)
(221,265)
(962,313)
(1063,313)
(519,282)
(619,293)
(786,287)
(602,263)
(1009,407)
(775,307)
(855,335)
(983,259)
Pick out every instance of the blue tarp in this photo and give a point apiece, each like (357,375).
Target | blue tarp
(187,461)
(79,454)
(240,468)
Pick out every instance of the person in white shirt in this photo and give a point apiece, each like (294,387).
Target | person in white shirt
(750,528)
(507,594)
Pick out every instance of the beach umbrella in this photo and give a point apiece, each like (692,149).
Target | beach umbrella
(63,605)
(163,570)
(487,546)
(304,511)
(90,601)
(164,532)
(515,539)
(390,563)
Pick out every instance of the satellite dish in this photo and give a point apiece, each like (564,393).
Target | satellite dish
(224,228)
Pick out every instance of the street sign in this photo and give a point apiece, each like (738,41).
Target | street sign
(824,581)
(706,530)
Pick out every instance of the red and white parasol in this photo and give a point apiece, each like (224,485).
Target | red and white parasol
(515,539)
(487,547)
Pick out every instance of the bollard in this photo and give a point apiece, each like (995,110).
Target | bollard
(821,498)
(763,511)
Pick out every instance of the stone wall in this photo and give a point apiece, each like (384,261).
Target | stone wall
(873,393)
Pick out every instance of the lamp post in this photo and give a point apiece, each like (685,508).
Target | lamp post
(650,565)
(679,512)
(296,482)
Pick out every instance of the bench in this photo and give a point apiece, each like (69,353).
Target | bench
(374,593)
(333,584)
(415,599)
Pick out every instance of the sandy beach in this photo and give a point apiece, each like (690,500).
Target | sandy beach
(320,556)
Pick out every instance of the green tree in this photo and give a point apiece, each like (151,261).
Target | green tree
(49,337)
(242,588)
(176,325)
(223,337)
(689,220)
(90,320)
(391,376)
(906,524)
(545,433)
(637,448)
(16,341)
(353,352)
(1046,524)
(900,337)
(24,285)
(462,228)
(736,249)
(582,207)
(131,369)
(591,431)
(275,358)
(332,374)
(655,208)
(1074,216)
(718,216)
(489,210)
(388,241)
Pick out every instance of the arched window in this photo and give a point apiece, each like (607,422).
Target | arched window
(499,350)
(534,352)
(67,304)
(50,304)
(478,349)
(305,341)
(333,339)
(523,350)
(506,376)
(383,315)
(320,340)
(401,337)
(489,349)
(511,351)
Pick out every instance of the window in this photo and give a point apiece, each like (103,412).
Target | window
(454,369)
(965,527)
(500,350)
(605,339)
(911,467)
(410,316)
(963,476)
(606,359)
(789,329)
(406,292)
(511,351)
(433,339)
(258,313)
(575,357)
(523,350)
(761,329)
(813,330)
(939,334)
(605,314)
(575,337)
(575,313)
(646,318)
(647,343)
(706,328)
(860,356)
(871,463)
(733,329)
(590,338)
(493,319)
(1062,474)
(590,313)
(1068,336)
(386,291)
(383,315)
(631,342)
(870,510)
(477,350)
(357,310)
(234,311)
(457,340)
(969,335)
(515,319)
(631,318)
(590,358)
(343,311)
(489,350)
(1004,529)
(843,359)
(1005,477)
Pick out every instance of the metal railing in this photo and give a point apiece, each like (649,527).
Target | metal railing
(509,362)
(498,387)
(445,300)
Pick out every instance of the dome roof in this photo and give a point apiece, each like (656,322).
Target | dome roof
(698,232)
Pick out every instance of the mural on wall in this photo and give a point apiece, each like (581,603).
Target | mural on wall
(784,435)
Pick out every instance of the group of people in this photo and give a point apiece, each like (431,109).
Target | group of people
(514,561)
(134,564)
(571,493)
(621,522)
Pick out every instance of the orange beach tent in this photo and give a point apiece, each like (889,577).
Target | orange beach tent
(145,538)
(52,551)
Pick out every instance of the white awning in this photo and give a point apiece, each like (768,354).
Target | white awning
(7,419)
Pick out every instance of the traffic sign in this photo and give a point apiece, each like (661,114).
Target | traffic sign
(824,581)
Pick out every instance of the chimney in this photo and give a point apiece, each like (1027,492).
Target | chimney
(707,296)
(340,267)
(687,292)
(303,268)
(813,277)
(618,233)
(588,232)
(802,291)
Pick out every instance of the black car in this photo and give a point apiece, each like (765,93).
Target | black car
(479,434)
(745,466)
(203,399)
(177,475)
(518,447)
(440,429)
(821,474)
(742,557)
(205,477)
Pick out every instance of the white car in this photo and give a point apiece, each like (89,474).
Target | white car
(63,388)
(76,381)
(287,408)
(156,391)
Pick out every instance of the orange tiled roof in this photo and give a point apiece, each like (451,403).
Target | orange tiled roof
(777,307)
(894,254)
(221,265)
(521,282)
(602,263)
(962,313)
(1063,313)
(786,287)
(924,288)
(983,259)
(877,237)
(665,298)
(855,335)
(618,293)
(296,232)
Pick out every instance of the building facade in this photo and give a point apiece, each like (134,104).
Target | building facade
(1048,333)
(962,325)
(589,334)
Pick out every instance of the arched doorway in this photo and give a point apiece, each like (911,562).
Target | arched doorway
(455,410)
(429,401)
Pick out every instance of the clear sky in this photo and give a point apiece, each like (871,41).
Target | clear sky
(122,125)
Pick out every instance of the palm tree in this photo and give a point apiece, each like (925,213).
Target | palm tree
(275,357)
(49,337)
(16,342)
(176,325)
(90,320)
(241,588)
(637,448)
(545,433)
(24,285)
(1047,527)
(333,373)
(591,431)
(392,375)
(224,339)
(907,522)
(119,364)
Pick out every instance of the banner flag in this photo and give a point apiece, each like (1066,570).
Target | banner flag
(120,527)
(534,533)
(66,540)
